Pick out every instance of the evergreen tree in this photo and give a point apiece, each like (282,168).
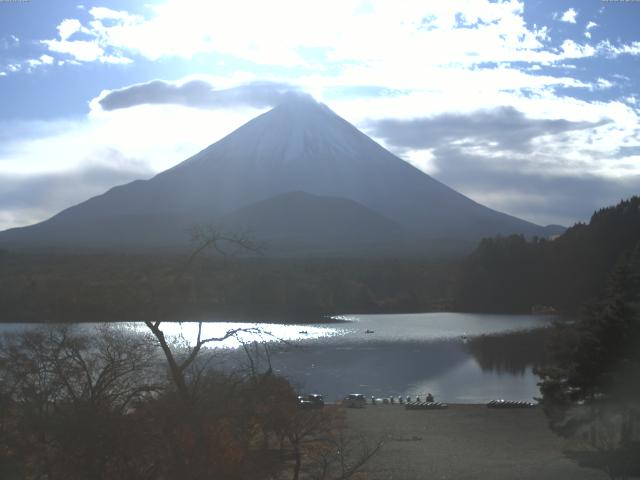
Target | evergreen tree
(593,386)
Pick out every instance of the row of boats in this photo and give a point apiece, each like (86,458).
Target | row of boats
(430,404)
(509,404)
(426,406)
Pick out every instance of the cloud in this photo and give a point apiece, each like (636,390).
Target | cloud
(503,128)
(541,169)
(341,31)
(569,16)
(197,93)
(84,51)
(96,47)
(9,42)
(29,198)
(530,191)
(68,27)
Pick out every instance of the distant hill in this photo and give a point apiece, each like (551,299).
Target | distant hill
(299,146)
(512,274)
(300,222)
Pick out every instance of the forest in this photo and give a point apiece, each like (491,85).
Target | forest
(508,274)
(77,288)
(513,274)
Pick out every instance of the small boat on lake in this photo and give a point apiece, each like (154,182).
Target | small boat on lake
(369,331)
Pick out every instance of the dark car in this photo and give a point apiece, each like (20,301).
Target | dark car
(311,400)
(354,400)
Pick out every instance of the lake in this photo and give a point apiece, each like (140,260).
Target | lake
(459,358)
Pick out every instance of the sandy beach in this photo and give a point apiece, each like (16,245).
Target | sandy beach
(465,442)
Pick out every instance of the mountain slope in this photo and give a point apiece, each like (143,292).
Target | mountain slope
(298,146)
(300,222)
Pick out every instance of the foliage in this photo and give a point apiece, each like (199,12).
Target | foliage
(512,274)
(592,387)
(81,404)
(65,394)
(57,287)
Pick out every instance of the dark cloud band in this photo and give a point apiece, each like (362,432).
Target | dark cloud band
(527,189)
(199,94)
(518,184)
(504,127)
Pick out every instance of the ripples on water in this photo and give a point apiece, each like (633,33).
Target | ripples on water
(405,354)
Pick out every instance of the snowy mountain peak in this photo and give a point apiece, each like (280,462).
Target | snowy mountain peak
(299,130)
(302,105)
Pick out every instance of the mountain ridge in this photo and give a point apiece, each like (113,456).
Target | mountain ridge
(298,146)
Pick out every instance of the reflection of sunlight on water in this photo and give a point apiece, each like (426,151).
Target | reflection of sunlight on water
(404,354)
(187,332)
(346,318)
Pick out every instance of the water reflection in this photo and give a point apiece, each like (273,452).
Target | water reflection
(375,368)
(512,352)
(457,357)
(248,332)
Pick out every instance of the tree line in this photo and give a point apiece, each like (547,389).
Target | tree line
(513,274)
(50,287)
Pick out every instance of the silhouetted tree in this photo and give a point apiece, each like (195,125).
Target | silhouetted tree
(65,392)
(593,386)
(512,274)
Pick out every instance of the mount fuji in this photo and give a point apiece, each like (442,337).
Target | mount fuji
(299,178)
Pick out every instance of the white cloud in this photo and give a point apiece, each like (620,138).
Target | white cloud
(158,135)
(603,83)
(609,49)
(344,34)
(103,13)
(572,50)
(68,27)
(82,50)
(279,33)
(569,16)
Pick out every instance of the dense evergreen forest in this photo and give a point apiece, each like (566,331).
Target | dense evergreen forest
(504,274)
(513,274)
(59,288)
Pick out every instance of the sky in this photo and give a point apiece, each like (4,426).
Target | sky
(531,108)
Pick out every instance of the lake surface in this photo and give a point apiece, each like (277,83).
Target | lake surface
(404,354)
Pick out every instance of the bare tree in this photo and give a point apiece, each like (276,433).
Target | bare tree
(224,244)
(65,392)
(322,447)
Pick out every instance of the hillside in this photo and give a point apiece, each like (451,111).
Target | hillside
(512,274)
